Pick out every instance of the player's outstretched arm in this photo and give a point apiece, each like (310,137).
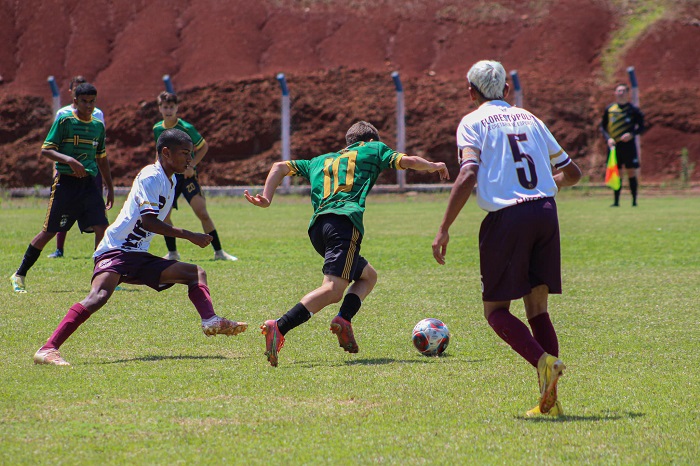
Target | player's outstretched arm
(151,223)
(461,190)
(277,173)
(420,164)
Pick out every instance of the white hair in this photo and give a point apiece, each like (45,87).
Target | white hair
(489,78)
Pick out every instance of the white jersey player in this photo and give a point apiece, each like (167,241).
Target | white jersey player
(508,153)
(514,150)
(122,256)
(151,193)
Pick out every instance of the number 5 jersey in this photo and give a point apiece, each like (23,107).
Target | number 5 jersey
(515,152)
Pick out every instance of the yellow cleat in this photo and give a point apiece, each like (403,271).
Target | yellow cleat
(18,283)
(549,369)
(555,411)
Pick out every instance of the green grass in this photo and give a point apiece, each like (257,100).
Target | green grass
(146,386)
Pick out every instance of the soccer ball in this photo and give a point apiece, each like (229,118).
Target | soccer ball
(431,337)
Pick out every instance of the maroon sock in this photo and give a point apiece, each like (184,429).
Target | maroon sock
(200,297)
(516,334)
(544,333)
(60,239)
(77,314)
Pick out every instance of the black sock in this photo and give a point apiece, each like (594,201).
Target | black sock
(215,243)
(170,243)
(351,304)
(617,196)
(30,257)
(293,318)
(633,188)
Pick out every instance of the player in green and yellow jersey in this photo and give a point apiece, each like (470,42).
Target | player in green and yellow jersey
(76,142)
(340,183)
(187,183)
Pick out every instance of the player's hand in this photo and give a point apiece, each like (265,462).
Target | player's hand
(110,198)
(78,169)
(611,143)
(200,239)
(189,172)
(258,200)
(626,137)
(440,246)
(441,168)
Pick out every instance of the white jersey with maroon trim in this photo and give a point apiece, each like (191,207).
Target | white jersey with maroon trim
(151,193)
(514,151)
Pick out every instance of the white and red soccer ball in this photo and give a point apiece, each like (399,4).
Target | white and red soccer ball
(431,337)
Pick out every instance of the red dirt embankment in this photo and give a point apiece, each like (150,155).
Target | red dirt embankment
(223,57)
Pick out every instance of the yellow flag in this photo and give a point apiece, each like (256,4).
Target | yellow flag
(612,173)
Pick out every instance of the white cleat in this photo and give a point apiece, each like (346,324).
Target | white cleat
(222,255)
(50,356)
(172,256)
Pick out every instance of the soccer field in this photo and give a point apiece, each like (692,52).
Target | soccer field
(147,387)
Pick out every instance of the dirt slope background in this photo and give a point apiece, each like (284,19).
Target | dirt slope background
(223,57)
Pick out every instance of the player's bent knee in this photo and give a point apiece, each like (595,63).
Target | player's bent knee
(201,275)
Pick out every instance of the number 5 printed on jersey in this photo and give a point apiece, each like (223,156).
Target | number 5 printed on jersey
(520,160)
(332,168)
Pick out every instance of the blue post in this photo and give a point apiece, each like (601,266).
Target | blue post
(635,101)
(168,84)
(517,89)
(55,94)
(286,153)
(400,126)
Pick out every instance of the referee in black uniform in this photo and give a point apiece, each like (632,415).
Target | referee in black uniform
(622,121)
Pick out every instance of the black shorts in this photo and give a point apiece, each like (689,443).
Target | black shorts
(135,268)
(188,187)
(519,249)
(74,199)
(336,239)
(627,154)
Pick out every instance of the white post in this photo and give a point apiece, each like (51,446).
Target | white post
(168,83)
(635,101)
(55,94)
(285,124)
(517,89)
(400,127)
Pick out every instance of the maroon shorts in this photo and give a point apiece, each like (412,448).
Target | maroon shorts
(519,250)
(135,268)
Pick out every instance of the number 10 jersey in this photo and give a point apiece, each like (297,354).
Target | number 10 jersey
(515,154)
(340,181)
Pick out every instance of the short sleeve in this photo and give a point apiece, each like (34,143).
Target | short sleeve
(101,151)
(468,145)
(389,157)
(299,168)
(557,157)
(55,136)
(147,195)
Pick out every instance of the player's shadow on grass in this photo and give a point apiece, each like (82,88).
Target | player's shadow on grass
(574,417)
(164,358)
(383,361)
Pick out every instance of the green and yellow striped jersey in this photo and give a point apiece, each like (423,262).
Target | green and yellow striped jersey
(341,181)
(620,119)
(82,140)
